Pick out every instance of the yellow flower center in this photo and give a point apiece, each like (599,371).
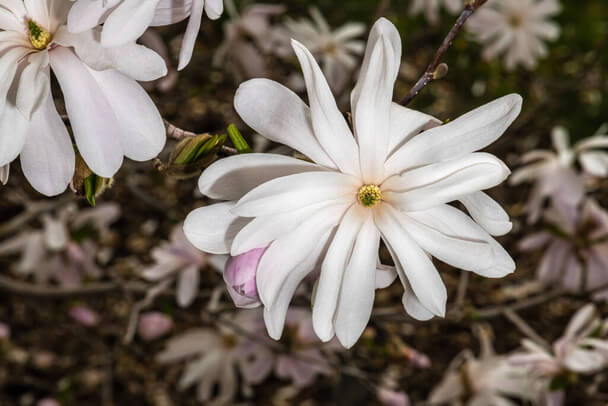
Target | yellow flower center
(39,37)
(369,195)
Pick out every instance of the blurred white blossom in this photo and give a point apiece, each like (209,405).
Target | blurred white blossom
(489,379)
(554,174)
(516,28)
(583,349)
(387,181)
(576,248)
(4,173)
(179,259)
(126,20)
(337,50)
(99,90)
(430,8)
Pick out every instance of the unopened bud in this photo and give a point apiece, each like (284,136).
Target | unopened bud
(191,155)
(239,275)
(153,325)
(441,71)
(86,183)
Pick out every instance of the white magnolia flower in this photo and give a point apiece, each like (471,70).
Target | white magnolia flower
(553,173)
(430,8)
(336,49)
(126,20)
(515,28)
(110,114)
(386,181)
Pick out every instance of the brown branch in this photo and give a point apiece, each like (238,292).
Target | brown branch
(434,70)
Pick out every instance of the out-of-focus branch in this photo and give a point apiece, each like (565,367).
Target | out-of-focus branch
(32,209)
(436,69)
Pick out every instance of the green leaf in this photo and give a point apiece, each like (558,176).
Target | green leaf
(90,186)
(237,139)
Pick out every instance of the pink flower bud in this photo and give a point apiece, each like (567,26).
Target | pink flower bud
(84,316)
(239,276)
(5,331)
(153,325)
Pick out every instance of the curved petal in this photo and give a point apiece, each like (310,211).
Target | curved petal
(358,285)
(292,192)
(332,271)
(443,182)
(128,22)
(48,157)
(212,228)
(406,123)
(468,133)
(487,213)
(231,178)
(329,125)
(385,276)
(96,129)
(171,11)
(187,286)
(214,8)
(281,116)
(143,131)
(13,133)
(189,41)
(87,14)
(418,267)
(288,251)
(34,84)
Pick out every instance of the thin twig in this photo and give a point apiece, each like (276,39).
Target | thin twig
(463,283)
(32,209)
(524,327)
(430,73)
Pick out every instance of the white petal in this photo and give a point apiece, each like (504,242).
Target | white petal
(135,61)
(459,251)
(87,14)
(189,41)
(595,163)
(231,178)
(13,133)
(371,113)
(171,11)
(128,22)
(96,129)
(468,133)
(5,171)
(9,63)
(385,276)
(187,286)
(143,131)
(329,125)
(212,228)
(281,116)
(288,251)
(332,271)
(443,182)
(488,213)
(34,84)
(214,8)
(37,10)
(418,267)
(406,123)
(358,285)
(274,317)
(292,192)
(48,157)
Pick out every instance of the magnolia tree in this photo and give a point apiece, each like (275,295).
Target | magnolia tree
(337,189)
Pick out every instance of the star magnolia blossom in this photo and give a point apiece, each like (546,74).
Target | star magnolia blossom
(384,182)
(110,114)
(126,20)
(517,28)
(430,8)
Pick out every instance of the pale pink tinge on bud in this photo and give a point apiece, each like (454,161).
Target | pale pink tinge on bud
(239,276)
(48,402)
(153,325)
(84,316)
(5,331)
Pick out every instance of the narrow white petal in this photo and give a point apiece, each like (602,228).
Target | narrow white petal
(418,267)
(329,124)
(128,22)
(406,123)
(231,178)
(468,133)
(48,157)
(292,192)
(212,228)
(488,213)
(332,271)
(34,83)
(187,286)
(358,285)
(13,133)
(281,116)
(87,14)
(443,182)
(189,41)
(171,11)
(95,126)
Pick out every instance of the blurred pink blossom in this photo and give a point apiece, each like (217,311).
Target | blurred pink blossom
(153,325)
(390,397)
(180,260)
(576,248)
(583,349)
(431,8)
(48,402)
(553,173)
(239,276)
(84,315)
(5,331)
